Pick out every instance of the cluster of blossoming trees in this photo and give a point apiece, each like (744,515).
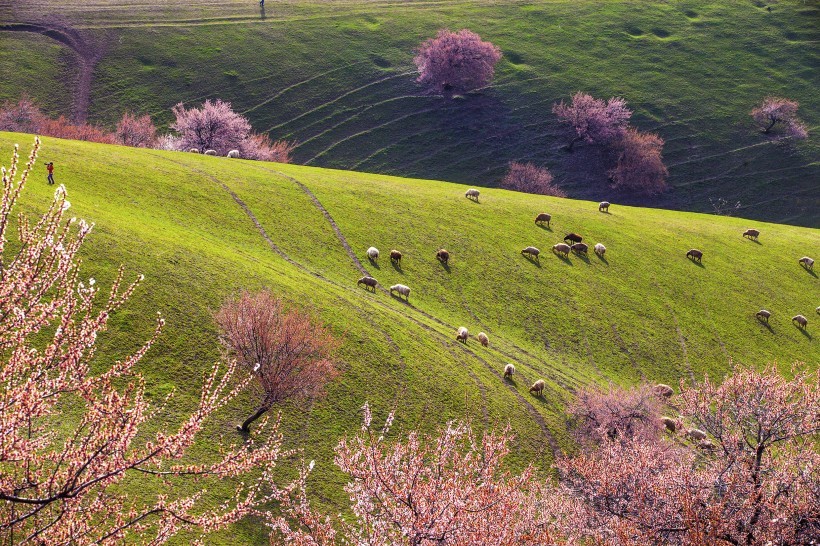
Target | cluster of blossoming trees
(736,463)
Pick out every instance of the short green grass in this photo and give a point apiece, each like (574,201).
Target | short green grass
(643,312)
(337,79)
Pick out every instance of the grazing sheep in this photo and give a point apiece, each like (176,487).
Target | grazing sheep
(669,423)
(509,370)
(368,282)
(472,193)
(603,206)
(194,150)
(538,387)
(543,217)
(233,154)
(600,249)
(807,262)
(532,251)
(573,237)
(561,248)
(402,291)
(801,321)
(706,446)
(696,434)
(462,334)
(210,152)
(373,253)
(664,390)
(751,234)
(443,256)
(483,339)
(695,254)
(395,256)
(580,248)
(818,310)
(763,314)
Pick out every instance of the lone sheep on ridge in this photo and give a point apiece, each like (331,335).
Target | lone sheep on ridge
(806,262)
(751,234)
(603,206)
(472,193)
(210,152)
(543,217)
(233,154)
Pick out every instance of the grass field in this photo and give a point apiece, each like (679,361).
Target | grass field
(645,311)
(337,77)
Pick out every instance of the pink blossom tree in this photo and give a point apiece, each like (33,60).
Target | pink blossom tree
(639,167)
(527,178)
(214,126)
(455,62)
(139,132)
(21,117)
(73,435)
(754,480)
(777,112)
(593,120)
(426,490)
(260,148)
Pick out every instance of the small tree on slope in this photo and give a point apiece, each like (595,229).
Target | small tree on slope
(70,437)
(593,120)
(776,112)
(455,62)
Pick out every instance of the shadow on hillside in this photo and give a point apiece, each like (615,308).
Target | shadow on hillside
(810,272)
(583,256)
(374,263)
(805,332)
(766,325)
(397,266)
(534,261)
(756,241)
(697,263)
(601,257)
(545,228)
(563,258)
(445,265)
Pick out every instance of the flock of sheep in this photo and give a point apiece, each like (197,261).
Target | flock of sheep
(233,153)
(572,243)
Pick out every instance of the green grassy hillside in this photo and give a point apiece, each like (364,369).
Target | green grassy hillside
(337,77)
(644,312)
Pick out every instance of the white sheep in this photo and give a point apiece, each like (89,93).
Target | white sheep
(373,253)
(531,251)
(462,334)
(603,206)
(194,150)
(210,152)
(509,370)
(599,249)
(472,193)
(807,262)
(483,339)
(402,291)
(233,153)
(538,387)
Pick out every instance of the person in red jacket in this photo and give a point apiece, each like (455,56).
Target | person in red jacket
(50,167)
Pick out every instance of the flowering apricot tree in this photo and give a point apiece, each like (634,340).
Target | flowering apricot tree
(639,167)
(779,112)
(73,436)
(593,120)
(527,178)
(455,62)
(139,132)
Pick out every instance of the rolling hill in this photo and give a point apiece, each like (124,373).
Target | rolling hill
(203,228)
(337,78)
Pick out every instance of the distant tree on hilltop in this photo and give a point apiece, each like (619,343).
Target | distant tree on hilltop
(455,62)
(593,120)
(214,126)
(139,132)
(639,166)
(527,178)
(777,112)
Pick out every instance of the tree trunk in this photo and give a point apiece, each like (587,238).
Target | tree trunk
(572,143)
(245,427)
(769,128)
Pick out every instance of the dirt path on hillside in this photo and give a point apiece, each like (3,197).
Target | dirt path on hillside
(88,54)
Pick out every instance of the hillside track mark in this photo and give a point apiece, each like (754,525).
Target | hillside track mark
(89,55)
(625,350)
(481,388)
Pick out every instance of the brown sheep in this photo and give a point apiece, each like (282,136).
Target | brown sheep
(443,256)
(707,445)
(763,315)
(509,370)
(807,262)
(574,237)
(696,434)
(538,387)
(543,217)
(669,423)
(751,234)
(483,339)
(368,282)
(462,334)
(695,254)
(531,251)
(472,193)
(580,248)
(603,206)
(561,248)
(395,256)
(663,390)
(801,321)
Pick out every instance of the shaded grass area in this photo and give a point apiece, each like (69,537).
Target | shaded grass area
(643,312)
(337,80)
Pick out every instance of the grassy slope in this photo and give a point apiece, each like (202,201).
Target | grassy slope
(338,80)
(645,311)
